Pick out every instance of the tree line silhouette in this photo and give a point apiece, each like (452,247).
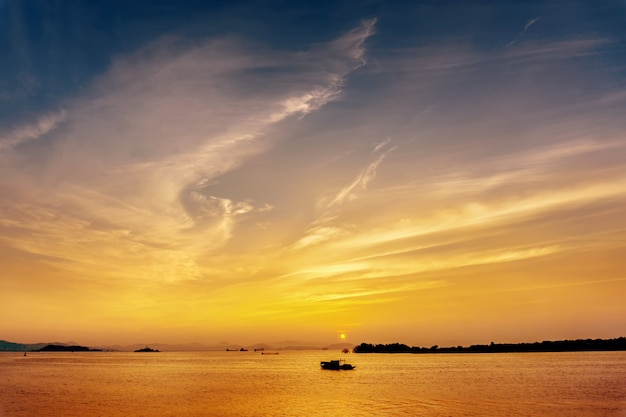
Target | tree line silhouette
(579,345)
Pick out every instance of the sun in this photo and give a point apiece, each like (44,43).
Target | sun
(342,336)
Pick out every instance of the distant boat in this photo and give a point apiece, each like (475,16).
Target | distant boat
(337,365)
(269,353)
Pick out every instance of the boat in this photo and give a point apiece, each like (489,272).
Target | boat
(337,365)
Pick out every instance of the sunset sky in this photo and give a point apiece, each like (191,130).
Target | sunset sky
(424,172)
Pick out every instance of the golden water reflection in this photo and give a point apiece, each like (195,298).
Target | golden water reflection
(292,384)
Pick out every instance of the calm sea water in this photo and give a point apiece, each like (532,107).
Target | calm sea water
(229,384)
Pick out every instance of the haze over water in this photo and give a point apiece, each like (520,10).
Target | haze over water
(229,384)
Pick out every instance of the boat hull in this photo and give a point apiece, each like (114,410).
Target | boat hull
(336,366)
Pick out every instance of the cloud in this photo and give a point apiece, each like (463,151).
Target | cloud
(31,132)
(135,151)
(381,145)
(350,45)
(495,177)
(556,50)
(364,178)
(322,229)
(430,63)
(528,25)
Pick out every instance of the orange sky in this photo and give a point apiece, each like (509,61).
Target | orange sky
(216,190)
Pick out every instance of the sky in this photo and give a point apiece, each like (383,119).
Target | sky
(423,172)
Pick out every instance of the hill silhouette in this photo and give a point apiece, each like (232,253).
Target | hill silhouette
(64,348)
(579,345)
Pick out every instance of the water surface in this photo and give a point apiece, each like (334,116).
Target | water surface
(228,384)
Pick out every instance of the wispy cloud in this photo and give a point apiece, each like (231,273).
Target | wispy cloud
(139,147)
(322,228)
(381,145)
(435,62)
(363,179)
(31,132)
(523,32)
(555,50)
(350,45)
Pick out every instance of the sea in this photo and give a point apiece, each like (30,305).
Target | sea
(291,383)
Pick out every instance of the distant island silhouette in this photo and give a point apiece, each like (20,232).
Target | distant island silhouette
(64,348)
(579,345)
(6,346)
(147,349)
(545,346)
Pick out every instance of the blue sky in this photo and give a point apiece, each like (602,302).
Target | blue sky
(51,50)
(430,172)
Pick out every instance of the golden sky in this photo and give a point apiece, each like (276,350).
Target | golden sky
(430,186)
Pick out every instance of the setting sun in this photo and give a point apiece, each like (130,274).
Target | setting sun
(342,336)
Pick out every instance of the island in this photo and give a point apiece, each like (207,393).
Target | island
(64,348)
(579,345)
(147,349)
